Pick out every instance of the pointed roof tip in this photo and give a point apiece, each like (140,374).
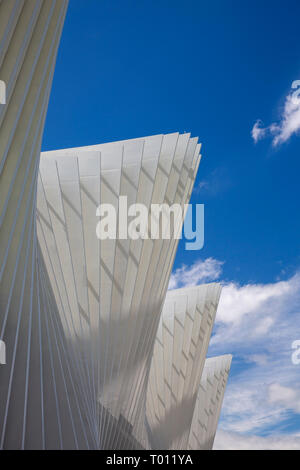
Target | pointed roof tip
(122,141)
(214,359)
(182,289)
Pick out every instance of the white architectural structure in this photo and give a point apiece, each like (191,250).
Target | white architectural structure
(178,360)
(110,293)
(78,315)
(30,31)
(209,402)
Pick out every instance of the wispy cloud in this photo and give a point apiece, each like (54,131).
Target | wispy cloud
(233,441)
(201,271)
(286,396)
(217,182)
(258,132)
(288,124)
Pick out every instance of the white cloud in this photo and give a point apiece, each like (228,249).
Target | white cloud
(201,271)
(288,124)
(259,359)
(257,323)
(290,121)
(202,185)
(258,132)
(264,326)
(217,182)
(237,301)
(233,441)
(286,396)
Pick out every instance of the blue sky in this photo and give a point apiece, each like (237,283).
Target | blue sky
(133,68)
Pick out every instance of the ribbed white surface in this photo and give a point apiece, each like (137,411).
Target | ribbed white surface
(209,403)
(178,360)
(110,293)
(35,410)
